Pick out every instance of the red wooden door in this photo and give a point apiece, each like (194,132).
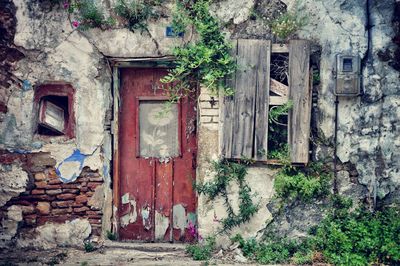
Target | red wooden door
(157,151)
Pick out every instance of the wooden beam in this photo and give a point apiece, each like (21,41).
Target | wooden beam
(115,131)
(244,116)
(300,95)
(279,88)
(277,100)
(280,48)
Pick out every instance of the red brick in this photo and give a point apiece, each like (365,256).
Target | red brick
(60,218)
(94,216)
(67,196)
(96,179)
(54,181)
(71,185)
(82,179)
(52,174)
(84,189)
(43,207)
(81,199)
(95,221)
(53,186)
(94,213)
(82,209)
(9,158)
(71,190)
(20,202)
(62,204)
(53,191)
(61,211)
(76,204)
(93,185)
(40,176)
(37,192)
(41,184)
(39,197)
(94,208)
(90,193)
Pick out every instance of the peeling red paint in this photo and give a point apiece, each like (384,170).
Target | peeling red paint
(156,186)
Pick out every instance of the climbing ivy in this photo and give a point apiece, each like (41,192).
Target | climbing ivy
(137,13)
(133,14)
(227,172)
(89,15)
(207,60)
(298,183)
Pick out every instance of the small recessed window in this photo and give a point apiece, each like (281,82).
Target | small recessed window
(347,65)
(55,110)
(53,115)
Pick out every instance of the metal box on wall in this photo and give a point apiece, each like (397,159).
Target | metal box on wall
(347,75)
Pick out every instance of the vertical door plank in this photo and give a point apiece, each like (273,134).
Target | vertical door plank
(244,99)
(184,195)
(244,116)
(300,95)
(262,100)
(226,113)
(163,200)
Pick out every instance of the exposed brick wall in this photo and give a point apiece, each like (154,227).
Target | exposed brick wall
(48,199)
(209,109)
(8,53)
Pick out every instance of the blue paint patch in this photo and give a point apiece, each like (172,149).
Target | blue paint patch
(26,85)
(105,171)
(76,156)
(169,32)
(19,151)
(37,145)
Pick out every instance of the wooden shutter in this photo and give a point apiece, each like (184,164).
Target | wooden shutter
(244,116)
(300,95)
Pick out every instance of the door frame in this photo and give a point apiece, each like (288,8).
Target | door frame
(116,64)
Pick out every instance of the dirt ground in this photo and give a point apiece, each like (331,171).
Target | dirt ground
(112,253)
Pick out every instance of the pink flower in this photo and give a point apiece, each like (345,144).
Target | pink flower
(75,23)
(66,5)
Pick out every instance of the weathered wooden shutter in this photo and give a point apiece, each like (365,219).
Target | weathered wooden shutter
(300,95)
(244,116)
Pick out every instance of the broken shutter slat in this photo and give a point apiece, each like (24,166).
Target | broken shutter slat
(245,91)
(226,113)
(244,116)
(263,53)
(300,95)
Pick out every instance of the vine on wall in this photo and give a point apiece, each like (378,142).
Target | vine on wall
(207,60)
(227,172)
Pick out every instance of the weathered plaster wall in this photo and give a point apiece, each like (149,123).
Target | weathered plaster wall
(54,52)
(259,179)
(368,135)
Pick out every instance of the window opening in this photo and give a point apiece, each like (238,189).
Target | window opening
(53,115)
(158,129)
(278,113)
(54,110)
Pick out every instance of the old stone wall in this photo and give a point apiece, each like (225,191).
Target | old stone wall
(35,197)
(59,182)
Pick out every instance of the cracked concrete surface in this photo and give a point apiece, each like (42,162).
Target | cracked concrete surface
(112,253)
